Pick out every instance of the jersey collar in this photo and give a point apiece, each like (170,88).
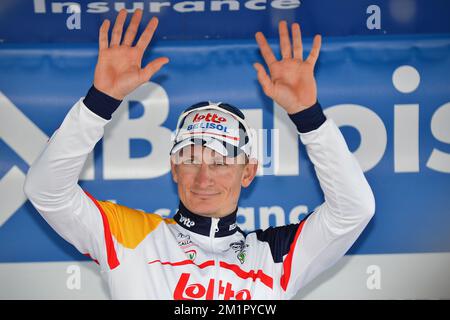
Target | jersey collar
(202,225)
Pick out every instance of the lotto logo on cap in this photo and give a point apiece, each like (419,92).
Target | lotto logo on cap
(214,117)
(211,125)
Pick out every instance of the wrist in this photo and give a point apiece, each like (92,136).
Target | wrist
(308,119)
(101,103)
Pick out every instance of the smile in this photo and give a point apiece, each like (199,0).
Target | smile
(203,194)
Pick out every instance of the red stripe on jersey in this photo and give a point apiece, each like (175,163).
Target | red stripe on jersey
(267,280)
(287,264)
(185,262)
(113,262)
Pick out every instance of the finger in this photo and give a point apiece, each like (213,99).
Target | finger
(147,35)
(266,51)
(103,35)
(151,68)
(264,79)
(118,27)
(297,41)
(314,54)
(285,43)
(132,28)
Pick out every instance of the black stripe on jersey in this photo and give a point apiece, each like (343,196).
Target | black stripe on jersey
(279,238)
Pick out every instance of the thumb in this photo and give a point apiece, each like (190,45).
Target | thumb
(151,68)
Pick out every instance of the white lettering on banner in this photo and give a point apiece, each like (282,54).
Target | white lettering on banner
(285,144)
(254,118)
(28,145)
(123,5)
(102,7)
(370,127)
(249,218)
(119,165)
(280,216)
(189,6)
(116,145)
(285,4)
(294,215)
(439,160)
(256,4)
(266,212)
(406,138)
(156,6)
(40,6)
(406,79)
(11,192)
(233,5)
(58,7)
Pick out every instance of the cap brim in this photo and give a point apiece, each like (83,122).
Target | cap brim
(220,146)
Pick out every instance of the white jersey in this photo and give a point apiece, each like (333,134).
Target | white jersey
(144,256)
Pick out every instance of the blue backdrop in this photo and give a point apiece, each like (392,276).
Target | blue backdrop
(388,91)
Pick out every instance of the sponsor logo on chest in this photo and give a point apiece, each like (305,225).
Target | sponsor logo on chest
(186,290)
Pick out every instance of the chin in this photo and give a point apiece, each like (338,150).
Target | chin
(204,207)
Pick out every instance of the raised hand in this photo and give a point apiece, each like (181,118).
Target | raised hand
(118,71)
(291,82)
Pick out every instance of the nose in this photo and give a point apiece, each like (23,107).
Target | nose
(203,178)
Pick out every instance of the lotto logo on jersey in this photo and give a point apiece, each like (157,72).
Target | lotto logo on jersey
(186,291)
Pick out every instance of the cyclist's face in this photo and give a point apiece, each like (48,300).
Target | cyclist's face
(209,184)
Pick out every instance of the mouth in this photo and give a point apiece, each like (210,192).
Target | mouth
(202,194)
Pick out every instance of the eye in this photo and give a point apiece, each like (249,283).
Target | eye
(191,161)
(220,162)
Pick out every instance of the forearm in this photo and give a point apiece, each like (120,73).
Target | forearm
(347,192)
(54,174)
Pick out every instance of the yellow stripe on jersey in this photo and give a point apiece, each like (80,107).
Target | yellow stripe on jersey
(130,226)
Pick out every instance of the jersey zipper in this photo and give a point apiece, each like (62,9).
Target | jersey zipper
(212,234)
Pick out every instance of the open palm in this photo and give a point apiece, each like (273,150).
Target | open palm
(118,71)
(291,82)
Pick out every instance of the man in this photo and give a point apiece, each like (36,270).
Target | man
(201,253)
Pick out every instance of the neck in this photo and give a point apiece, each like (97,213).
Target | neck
(202,224)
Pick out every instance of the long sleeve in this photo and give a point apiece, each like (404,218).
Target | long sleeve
(327,233)
(52,181)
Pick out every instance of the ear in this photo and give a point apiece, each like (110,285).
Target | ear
(249,173)
(174,170)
